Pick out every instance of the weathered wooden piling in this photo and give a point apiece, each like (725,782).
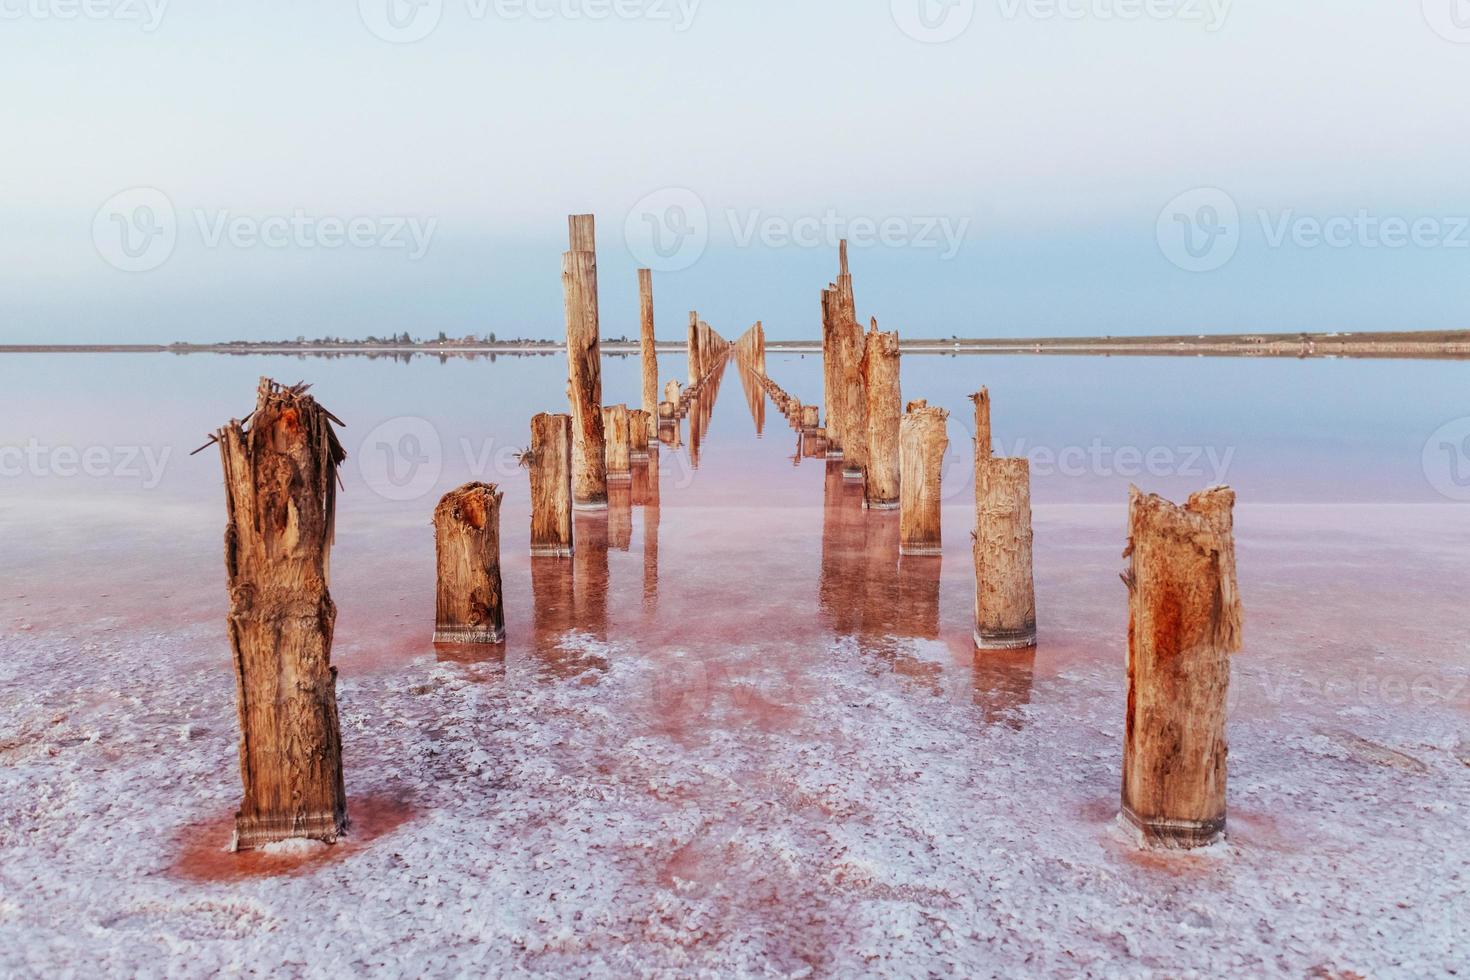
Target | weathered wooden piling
(831,372)
(885,414)
(640,434)
(468,608)
(1005,595)
(550,463)
(584,361)
(696,365)
(1184,621)
(648,345)
(922,443)
(280,476)
(983,449)
(618,442)
(672,393)
(811,416)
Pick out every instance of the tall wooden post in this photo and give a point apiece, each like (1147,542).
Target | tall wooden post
(584,361)
(615,427)
(1184,621)
(1005,595)
(280,478)
(695,366)
(832,372)
(550,463)
(885,413)
(922,442)
(648,344)
(983,449)
(469,608)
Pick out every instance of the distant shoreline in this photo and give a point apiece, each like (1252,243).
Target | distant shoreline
(1418,344)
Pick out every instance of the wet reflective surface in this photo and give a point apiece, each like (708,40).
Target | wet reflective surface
(736,729)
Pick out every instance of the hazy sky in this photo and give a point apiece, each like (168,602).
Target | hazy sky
(207,170)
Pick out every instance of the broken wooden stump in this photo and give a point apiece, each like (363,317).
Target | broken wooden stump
(640,434)
(667,412)
(884,416)
(280,476)
(922,443)
(1184,621)
(811,417)
(617,435)
(1005,594)
(468,608)
(648,345)
(550,462)
(584,362)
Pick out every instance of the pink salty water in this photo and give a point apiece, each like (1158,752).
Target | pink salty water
(737,733)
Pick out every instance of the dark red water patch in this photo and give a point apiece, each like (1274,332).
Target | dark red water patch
(203,854)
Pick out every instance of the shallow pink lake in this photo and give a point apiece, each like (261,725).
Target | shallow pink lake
(737,733)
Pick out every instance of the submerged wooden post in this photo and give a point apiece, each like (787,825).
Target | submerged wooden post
(1184,621)
(468,608)
(885,413)
(648,345)
(584,361)
(615,427)
(1005,594)
(280,478)
(640,433)
(550,463)
(922,442)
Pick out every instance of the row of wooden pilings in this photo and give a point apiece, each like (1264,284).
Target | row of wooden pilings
(280,467)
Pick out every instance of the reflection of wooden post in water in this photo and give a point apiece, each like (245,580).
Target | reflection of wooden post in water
(755,396)
(814,444)
(1184,621)
(842,541)
(591,573)
(1005,596)
(1003,681)
(885,413)
(280,479)
(468,608)
(648,344)
(640,434)
(650,502)
(615,427)
(550,463)
(620,516)
(922,442)
(584,360)
(553,604)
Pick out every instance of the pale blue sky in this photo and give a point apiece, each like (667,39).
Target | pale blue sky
(1047,145)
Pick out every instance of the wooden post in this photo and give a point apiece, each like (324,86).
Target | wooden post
(885,412)
(469,608)
(584,361)
(831,373)
(280,478)
(550,463)
(616,431)
(811,416)
(649,346)
(922,442)
(983,449)
(640,434)
(695,367)
(1005,596)
(1184,621)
